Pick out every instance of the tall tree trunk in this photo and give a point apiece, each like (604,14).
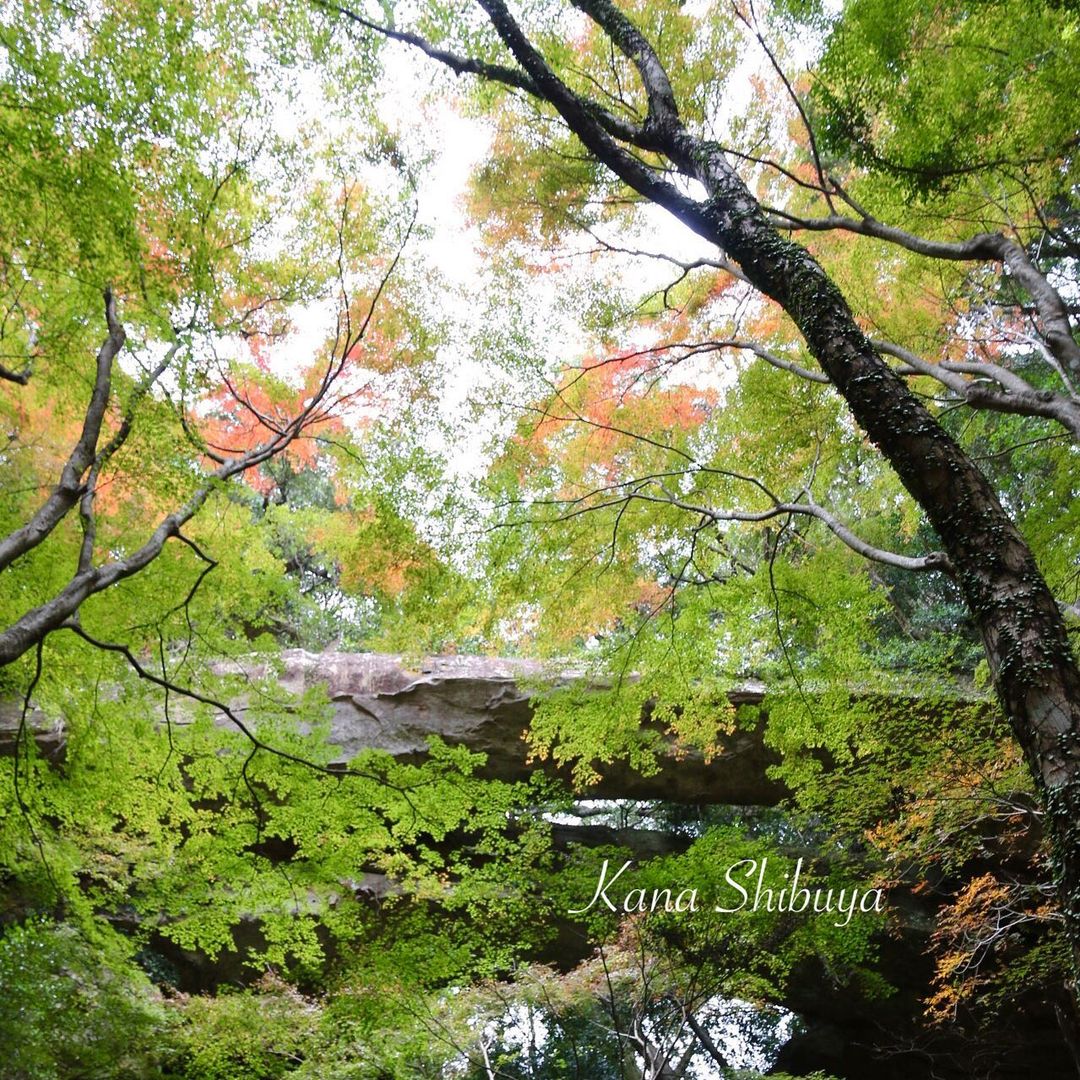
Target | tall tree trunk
(1027,647)
(1034,671)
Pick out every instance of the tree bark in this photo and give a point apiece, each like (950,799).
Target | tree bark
(1027,647)
(1032,663)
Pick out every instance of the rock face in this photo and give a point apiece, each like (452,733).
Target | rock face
(485,704)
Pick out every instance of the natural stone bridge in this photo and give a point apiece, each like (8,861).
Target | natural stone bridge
(484,703)
(381,702)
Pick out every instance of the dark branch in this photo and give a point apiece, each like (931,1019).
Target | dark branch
(511,77)
(69,489)
(20,377)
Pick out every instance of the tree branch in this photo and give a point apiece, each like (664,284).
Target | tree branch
(511,77)
(776,361)
(636,490)
(716,263)
(69,489)
(88,580)
(20,377)
(823,183)
(993,247)
(86,503)
(706,1040)
(1018,397)
(936,560)
(663,111)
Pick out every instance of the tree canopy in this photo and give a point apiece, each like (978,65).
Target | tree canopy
(713,364)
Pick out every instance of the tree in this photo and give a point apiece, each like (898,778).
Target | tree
(654,142)
(134,175)
(694,528)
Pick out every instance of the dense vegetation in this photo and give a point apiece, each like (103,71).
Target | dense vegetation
(745,355)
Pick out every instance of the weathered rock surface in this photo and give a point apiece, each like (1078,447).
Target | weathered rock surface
(485,704)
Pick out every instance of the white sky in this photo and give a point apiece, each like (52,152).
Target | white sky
(452,246)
